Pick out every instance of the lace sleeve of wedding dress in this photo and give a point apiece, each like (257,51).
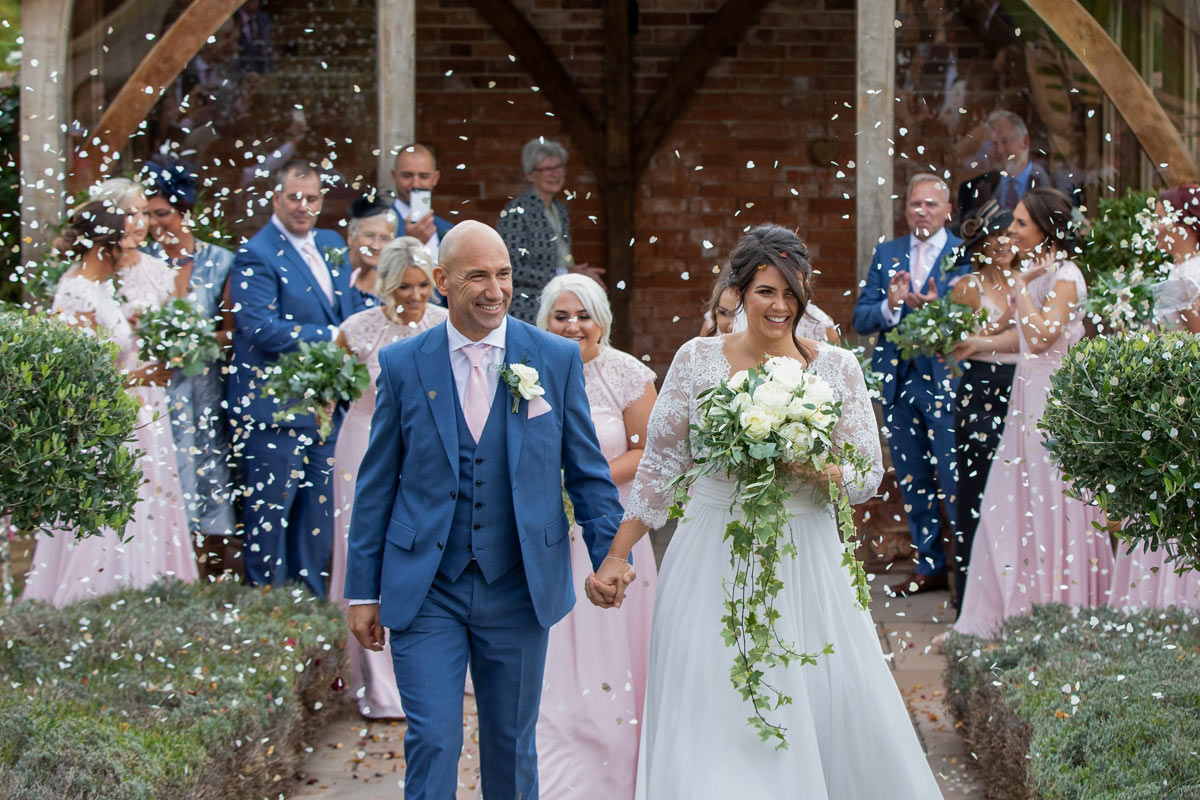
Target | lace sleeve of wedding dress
(857,426)
(75,298)
(668,440)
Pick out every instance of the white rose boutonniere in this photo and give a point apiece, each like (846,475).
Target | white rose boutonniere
(523,382)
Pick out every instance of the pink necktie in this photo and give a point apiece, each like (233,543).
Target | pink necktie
(320,271)
(920,272)
(475,404)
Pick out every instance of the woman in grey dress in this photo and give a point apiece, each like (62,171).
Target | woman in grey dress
(537,229)
(198,422)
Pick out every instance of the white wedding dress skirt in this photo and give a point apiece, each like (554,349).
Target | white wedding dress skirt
(849,733)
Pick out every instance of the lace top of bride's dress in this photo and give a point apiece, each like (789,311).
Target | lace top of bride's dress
(701,364)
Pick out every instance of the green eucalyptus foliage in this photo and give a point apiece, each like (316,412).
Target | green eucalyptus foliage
(935,328)
(1082,704)
(176,333)
(65,424)
(196,691)
(313,379)
(1120,422)
(1120,257)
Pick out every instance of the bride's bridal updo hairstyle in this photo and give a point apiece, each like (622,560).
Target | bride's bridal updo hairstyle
(774,246)
(95,223)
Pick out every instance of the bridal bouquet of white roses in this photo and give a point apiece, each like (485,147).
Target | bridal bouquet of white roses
(177,334)
(760,428)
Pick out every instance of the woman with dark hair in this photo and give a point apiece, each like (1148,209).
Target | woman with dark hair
(373,223)
(1142,578)
(845,706)
(155,542)
(722,307)
(1036,544)
(988,360)
(198,420)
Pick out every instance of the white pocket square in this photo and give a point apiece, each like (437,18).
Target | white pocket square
(538,406)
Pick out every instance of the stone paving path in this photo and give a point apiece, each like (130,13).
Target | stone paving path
(356,760)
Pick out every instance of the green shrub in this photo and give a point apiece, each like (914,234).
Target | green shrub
(65,421)
(196,691)
(1082,704)
(1120,422)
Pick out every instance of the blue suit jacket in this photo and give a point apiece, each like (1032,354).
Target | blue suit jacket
(278,304)
(889,258)
(404,499)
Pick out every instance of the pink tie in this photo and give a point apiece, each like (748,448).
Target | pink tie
(475,404)
(320,271)
(920,272)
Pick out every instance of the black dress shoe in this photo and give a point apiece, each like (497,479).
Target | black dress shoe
(918,583)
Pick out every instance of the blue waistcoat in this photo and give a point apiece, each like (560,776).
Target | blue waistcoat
(486,532)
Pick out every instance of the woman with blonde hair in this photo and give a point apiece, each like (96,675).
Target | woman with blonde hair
(403,284)
(596,663)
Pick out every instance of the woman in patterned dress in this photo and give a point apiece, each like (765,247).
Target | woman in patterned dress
(595,682)
(404,283)
(104,236)
(198,421)
(537,229)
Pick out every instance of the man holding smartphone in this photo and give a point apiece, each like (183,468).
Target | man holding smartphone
(415,173)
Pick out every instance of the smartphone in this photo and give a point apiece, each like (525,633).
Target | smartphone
(420,201)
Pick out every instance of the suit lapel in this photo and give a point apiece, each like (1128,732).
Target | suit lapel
(517,350)
(437,379)
(301,266)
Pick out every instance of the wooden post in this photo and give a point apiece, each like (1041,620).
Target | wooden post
(44,25)
(876,61)
(619,196)
(396,84)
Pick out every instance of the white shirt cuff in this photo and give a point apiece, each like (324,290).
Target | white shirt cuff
(362,602)
(891,317)
(333,332)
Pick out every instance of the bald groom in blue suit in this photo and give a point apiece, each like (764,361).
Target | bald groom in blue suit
(458,539)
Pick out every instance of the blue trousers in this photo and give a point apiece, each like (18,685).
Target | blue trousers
(493,628)
(920,428)
(288,513)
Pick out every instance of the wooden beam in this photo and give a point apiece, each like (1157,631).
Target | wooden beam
(619,181)
(174,49)
(722,30)
(1123,84)
(43,148)
(552,78)
(875,123)
(396,82)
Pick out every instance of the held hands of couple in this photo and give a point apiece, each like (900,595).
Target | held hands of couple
(364,624)
(606,587)
(820,478)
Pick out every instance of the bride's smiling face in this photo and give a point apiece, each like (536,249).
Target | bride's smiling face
(772,308)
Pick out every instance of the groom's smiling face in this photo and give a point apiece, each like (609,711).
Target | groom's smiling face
(476,279)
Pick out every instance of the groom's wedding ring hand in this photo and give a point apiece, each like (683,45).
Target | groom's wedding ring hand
(364,624)
(607,587)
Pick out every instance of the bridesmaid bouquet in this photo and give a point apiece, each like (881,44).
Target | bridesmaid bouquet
(313,379)
(177,334)
(759,427)
(934,329)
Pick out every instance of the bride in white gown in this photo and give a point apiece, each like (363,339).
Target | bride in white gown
(849,735)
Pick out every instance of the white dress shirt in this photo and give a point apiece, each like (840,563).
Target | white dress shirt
(405,211)
(919,268)
(298,243)
(460,366)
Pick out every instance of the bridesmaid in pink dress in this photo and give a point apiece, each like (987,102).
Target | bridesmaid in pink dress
(596,662)
(1034,543)
(404,282)
(1141,578)
(66,571)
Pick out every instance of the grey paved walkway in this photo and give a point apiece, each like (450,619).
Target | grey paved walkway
(355,760)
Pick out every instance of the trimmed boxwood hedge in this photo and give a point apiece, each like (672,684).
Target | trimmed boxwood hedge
(1082,704)
(177,691)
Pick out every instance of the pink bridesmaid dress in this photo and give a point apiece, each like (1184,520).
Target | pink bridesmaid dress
(1034,544)
(372,679)
(597,660)
(66,571)
(1145,579)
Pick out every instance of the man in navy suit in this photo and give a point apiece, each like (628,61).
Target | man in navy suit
(458,539)
(285,292)
(918,394)
(415,167)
